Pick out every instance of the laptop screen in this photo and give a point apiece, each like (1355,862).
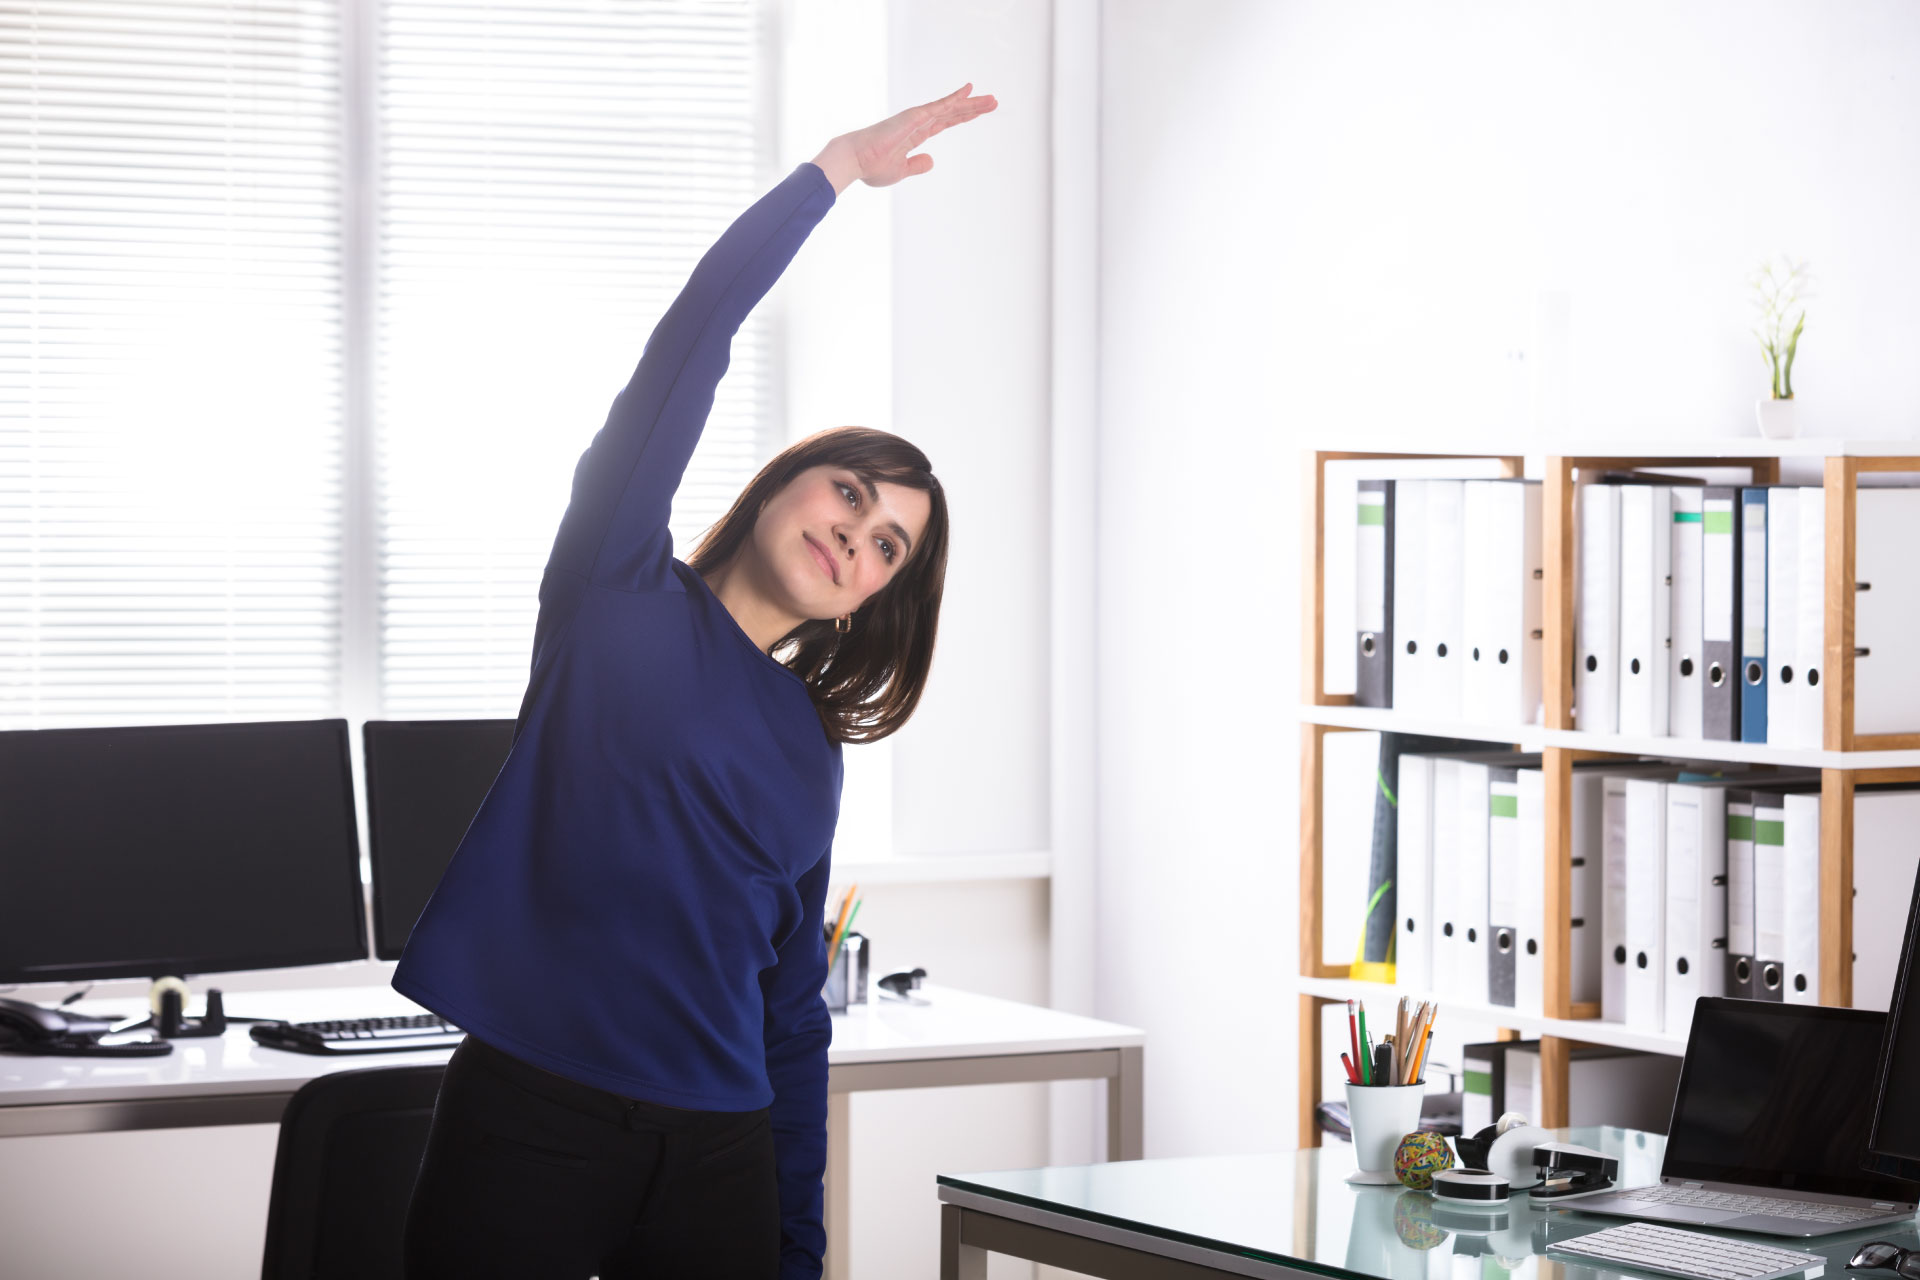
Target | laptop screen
(1779,1096)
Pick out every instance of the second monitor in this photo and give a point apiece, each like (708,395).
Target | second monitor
(425,781)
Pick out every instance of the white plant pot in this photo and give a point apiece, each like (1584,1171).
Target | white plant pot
(1776,418)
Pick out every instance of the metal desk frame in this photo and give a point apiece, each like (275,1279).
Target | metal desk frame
(973,1226)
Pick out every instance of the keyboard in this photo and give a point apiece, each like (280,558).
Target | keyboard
(1692,1254)
(1801,1210)
(361,1035)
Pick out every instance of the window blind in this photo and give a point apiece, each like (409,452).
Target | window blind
(549,173)
(170,417)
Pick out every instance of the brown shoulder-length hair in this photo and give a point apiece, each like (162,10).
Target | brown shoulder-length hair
(865,684)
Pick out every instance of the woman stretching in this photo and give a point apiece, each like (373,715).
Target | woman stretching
(631,931)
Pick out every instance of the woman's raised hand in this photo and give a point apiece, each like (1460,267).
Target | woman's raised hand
(877,154)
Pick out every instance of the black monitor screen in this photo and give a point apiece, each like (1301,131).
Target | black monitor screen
(1779,1095)
(425,781)
(177,849)
(1896,1123)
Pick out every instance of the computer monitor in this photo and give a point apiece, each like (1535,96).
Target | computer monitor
(425,781)
(137,852)
(1893,1140)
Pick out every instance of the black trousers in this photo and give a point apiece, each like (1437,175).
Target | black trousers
(530,1175)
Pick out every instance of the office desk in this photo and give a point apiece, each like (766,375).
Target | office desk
(957,1038)
(1284,1215)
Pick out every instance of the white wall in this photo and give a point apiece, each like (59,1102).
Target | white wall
(970,275)
(1329,221)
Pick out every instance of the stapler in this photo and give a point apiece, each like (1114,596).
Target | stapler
(901,985)
(1567,1171)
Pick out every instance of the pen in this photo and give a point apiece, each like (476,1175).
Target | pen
(1353,1077)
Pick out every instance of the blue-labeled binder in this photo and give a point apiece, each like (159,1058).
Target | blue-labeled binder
(1753,615)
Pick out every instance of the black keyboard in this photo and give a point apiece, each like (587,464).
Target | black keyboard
(361,1035)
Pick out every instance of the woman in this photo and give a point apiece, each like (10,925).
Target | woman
(631,930)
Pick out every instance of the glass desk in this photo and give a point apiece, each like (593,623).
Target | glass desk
(1290,1215)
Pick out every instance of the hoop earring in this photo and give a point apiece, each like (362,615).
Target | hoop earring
(843,624)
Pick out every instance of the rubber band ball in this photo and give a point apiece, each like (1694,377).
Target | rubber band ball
(1419,1157)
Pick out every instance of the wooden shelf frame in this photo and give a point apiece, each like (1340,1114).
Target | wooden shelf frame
(1563,475)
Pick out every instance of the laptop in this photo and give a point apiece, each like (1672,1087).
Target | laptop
(1769,1128)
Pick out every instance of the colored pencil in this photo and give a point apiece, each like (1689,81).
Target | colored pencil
(1366,1048)
(1420,1057)
(1416,1036)
(1400,1054)
(1352,1031)
(1416,1039)
(840,925)
(852,916)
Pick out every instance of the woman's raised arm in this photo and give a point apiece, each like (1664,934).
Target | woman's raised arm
(877,154)
(615,528)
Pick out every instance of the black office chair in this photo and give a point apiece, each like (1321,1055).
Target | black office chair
(350,1145)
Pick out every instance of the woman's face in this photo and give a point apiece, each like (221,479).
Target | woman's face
(827,524)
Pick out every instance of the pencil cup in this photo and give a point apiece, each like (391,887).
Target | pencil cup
(1381,1115)
(851,959)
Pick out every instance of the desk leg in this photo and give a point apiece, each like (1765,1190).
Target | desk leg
(1126,1134)
(958,1261)
(839,1176)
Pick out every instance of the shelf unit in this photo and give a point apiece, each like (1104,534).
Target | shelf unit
(1845,760)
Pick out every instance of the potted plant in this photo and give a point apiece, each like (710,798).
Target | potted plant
(1777,290)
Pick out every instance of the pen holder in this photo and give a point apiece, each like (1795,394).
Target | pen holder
(851,959)
(1379,1116)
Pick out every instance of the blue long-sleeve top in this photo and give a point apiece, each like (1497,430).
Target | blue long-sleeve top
(638,903)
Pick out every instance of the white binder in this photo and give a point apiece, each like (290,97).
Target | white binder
(1810,637)
(1409,588)
(1696,899)
(1596,671)
(1687,668)
(1599,880)
(1886,858)
(1446,598)
(1530,899)
(1886,612)
(1504,585)
(1468,895)
(1613,904)
(1413,875)
(1588,859)
(1449,935)
(1802,843)
(1646,893)
(1646,559)
(1783,616)
(1769,896)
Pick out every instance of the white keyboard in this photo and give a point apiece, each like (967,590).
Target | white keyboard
(1693,1254)
(1805,1210)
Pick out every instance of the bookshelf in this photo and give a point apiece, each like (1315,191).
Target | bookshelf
(1846,759)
